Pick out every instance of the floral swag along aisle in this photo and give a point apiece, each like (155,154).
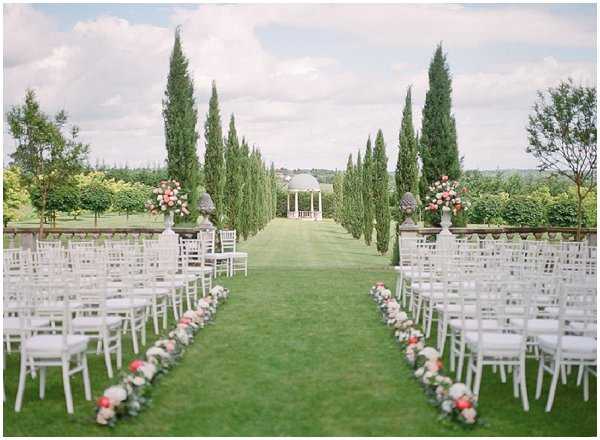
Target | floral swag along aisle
(454,400)
(132,393)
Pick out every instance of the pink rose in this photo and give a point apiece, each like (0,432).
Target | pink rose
(444,178)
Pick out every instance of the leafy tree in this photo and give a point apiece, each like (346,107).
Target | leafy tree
(15,195)
(523,211)
(438,147)
(96,196)
(181,117)
(64,197)
(130,198)
(367,193)
(562,136)
(234,178)
(214,158)
(44,154)
(381,204)
(563,211)
(487,209)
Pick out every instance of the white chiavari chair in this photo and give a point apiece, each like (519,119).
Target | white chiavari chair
(238,261)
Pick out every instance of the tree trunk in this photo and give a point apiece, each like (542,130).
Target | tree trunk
(579,209)
(42,214)
(95,219)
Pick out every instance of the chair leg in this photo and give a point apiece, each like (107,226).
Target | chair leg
(22,378)
(469,373)
(586,384)
(42,383)
(540,377)
(461,358)
(119,349)
(523,383)
(155,315)
(515,380)
(107,360)
(563,374)
(478,374)
(555,377)
(67,384)
(134,340)
(580,374)
(87,389)
(502,373)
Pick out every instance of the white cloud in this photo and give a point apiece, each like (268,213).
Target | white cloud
(303,111)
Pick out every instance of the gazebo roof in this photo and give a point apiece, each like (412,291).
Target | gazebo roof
(303,182)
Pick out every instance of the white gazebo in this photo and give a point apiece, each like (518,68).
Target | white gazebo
(304,183)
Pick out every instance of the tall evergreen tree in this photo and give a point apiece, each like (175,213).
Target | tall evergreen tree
(438,146)
(347,195)
(234,178)
(338,194)
(246,215)
(214,158)
(181,117)
(381,202)
(273,179)
(357,204)
(407,167)
(367,193)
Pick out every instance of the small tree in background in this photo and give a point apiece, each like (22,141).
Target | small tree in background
(96,196)
(367,193)
(562,137)
(64,197)
(15,195)
(381,202)
(44,154)
(131,198)
(214,158)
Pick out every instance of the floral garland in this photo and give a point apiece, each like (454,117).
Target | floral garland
(132,394)
(454,400)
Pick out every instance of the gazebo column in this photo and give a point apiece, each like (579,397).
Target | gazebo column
(320,207)
(312,205)
(296,204)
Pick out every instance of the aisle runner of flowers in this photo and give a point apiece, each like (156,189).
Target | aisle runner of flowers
(454,400)
(132,394)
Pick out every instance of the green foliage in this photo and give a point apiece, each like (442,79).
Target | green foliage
(338,197)
(245,223)
(487,209)
(356,207)
(214,158)
(234,178)
(15,196)
(96,196)
(180,116)
(438,147)
(131,198)
(381,204)
(347,194)
(367,193)
(148,176)
(524,211)
(407,168)
(562,136)
(562,211)
(45,155)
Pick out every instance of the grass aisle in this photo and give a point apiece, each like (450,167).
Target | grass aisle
(299,350)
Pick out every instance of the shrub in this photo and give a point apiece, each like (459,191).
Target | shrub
(562,212)
(487,209)
(524,211)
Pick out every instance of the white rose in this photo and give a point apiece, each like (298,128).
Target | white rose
(156,351)
(139,381)
(430,353)
(104,415)
(419,372)
(148,370)
(458,390)
(447,406)
(116,394)
(469,415)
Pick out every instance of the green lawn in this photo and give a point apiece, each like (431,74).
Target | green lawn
(299,350)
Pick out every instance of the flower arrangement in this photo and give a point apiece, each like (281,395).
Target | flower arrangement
(168,198)
(132,393)
(446,193)
(454,399)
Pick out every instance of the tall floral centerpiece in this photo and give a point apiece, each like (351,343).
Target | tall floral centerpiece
(169,200)
(445,195)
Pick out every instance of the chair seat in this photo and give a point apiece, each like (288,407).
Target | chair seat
(494,341)
(217,256)
(170,283)
(471,324)
(236,254)
(426,286)
(199,269)
(149,291)
(93,322)
(456,308)
(12,324)
(58,306)
(186,277)
(537,326)
(569,344)
(126,303)
(580,326)
(54,343)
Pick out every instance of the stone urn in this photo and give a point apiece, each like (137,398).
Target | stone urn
(206,207)
(446,221)
(169,221)
(408,206)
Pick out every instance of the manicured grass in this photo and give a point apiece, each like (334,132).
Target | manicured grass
(299,350)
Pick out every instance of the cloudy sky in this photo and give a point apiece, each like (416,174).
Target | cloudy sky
(307,83)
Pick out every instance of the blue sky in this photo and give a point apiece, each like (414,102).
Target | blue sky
(308,83)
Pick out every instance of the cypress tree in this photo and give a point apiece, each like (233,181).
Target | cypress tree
(347,195)
(407,168)
(214,158)
(233,185)
(180,117)
(381,203)
(367,193)
(246,213)
(438,146)
(273,177)
(338,200)
(357,205)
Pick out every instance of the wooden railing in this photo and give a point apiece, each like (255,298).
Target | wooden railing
(27,237)
(511,232)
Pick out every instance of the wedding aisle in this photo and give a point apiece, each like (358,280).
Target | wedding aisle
(299,350)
